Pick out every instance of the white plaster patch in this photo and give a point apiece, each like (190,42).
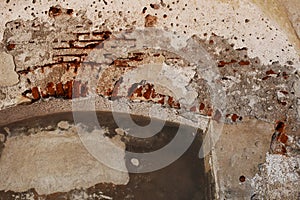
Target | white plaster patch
(170,80)
(263,36)
(7,70)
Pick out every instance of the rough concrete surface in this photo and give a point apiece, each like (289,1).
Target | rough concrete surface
(234,64)
(246,143)
(54,161)
(278,178)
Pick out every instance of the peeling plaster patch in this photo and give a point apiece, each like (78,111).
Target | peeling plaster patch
(278,178)
(55,161)
(7,70)
(264,91)
(63,39)
(150,68)
(173,80)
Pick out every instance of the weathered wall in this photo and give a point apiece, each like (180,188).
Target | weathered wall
(233,63)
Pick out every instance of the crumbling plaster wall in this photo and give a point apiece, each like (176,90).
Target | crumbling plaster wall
(246,52)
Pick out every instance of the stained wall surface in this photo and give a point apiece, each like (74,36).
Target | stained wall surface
(227,67)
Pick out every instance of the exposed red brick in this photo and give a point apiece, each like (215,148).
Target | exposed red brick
(269,72)
(138,91)
(44,95)
(50,89)
(234,117)
(55,11)
(71,44)
(150,21)
(136,58)
(209,112)
(68,87)
(282,138)
(138,53)
(10,46)
(162,100)
(242,62)
(148,92)
(223,63)
(170,101)
(280,126)
(35,93)
(60,90)
(176,105)
(202,106)
(108,92)
(71,89)
(283,150)
(265,78)
(121,63)
(154,94)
